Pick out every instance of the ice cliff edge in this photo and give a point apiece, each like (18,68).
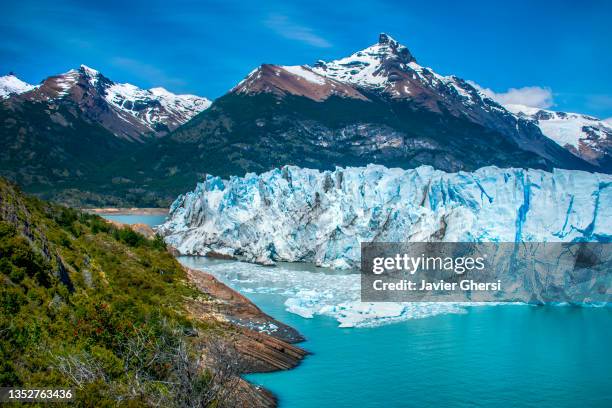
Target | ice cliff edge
(297,214)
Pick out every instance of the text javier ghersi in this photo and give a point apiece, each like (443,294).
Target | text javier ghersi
(422,263)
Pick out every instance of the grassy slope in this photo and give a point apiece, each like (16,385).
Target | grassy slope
(84,303)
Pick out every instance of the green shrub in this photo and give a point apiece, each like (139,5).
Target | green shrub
(80,294)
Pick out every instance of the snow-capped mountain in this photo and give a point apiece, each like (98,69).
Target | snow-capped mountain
(124,109)
(387,67)
(172,111)
(377,105)
(76,131)
(585,136)
(78,137)
(296,214)
(294,80)
(11,85)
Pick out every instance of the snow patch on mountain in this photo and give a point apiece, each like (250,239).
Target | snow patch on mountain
(585,136)
(144,104)
(305,73)
(66,81)
(564,128)
(295,214)
(11,85)
(125,109)
(361,68)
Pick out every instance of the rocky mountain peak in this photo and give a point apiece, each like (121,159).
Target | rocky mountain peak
(389,47)
(88,71)
(124,109)
(384,38)
(94,78)
(373,67)
(393,47)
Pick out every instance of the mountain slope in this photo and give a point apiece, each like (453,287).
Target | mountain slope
(51,148)
(585,136)
(375,106)
(77,296)
(124,109)
(112,315)
(68,138)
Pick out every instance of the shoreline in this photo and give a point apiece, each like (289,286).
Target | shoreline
(127,211)
(261,350)
(264,343)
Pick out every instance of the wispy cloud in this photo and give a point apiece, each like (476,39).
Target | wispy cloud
(533,96)
(284,27)
(147,72)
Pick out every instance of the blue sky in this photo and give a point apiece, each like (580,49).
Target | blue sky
(560,49)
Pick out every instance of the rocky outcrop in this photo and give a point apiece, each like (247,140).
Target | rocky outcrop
(14,211)
(226,304)
(262,342)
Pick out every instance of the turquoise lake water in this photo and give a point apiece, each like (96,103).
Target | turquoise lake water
(490,356)
(150,220)
(497,356)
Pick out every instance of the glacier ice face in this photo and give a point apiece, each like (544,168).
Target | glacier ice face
(294,214)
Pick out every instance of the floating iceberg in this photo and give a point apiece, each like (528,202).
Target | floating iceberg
(310,293)
(295,214)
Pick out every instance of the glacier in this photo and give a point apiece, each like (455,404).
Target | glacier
(303,215)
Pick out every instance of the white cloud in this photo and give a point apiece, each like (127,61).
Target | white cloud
(608,121)
(288,29)
(533,96)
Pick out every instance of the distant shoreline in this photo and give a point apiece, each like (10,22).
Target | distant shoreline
(127,211)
